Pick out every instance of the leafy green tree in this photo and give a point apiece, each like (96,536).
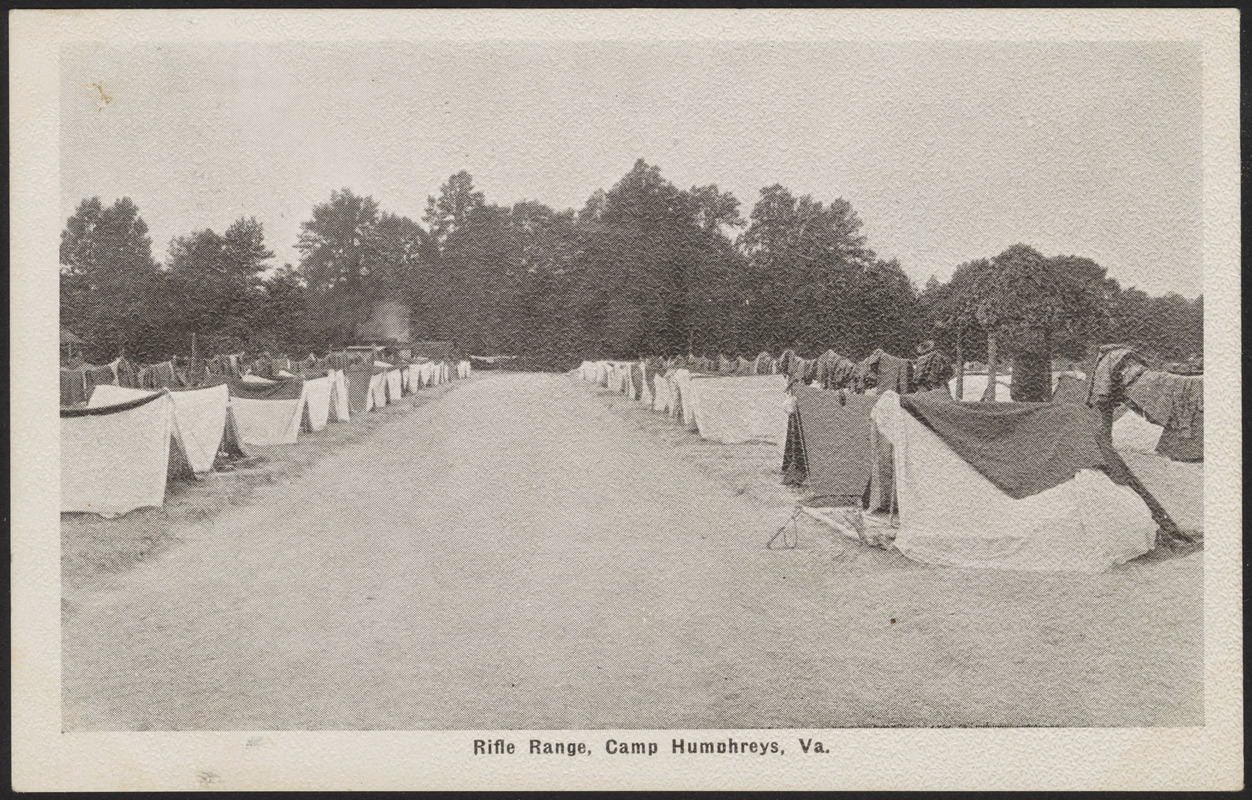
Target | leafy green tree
(1166,328)
(453,208)
(335,244)
(213,281)
(655,266)
(1027,306)
(815,283)
(283,317)
(338,250)
(714,209)
(110,288)
(952,310)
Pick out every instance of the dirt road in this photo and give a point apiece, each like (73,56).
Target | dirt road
(523,553)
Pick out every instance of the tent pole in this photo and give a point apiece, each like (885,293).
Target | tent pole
(1120,473)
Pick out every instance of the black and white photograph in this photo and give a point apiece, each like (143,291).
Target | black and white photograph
(626,399)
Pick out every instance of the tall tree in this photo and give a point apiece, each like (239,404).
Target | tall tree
(452,209)
(337,253)
(109,281)
(816,283)
(334,244)
(954,313)
(214,281)
(714,209)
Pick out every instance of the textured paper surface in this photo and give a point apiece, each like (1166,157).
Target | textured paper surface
(1210,757)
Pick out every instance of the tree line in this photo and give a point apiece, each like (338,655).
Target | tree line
(644,268)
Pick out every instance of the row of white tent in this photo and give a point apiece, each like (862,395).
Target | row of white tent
(117,453)
(729,410)
(948,513)
(751,408)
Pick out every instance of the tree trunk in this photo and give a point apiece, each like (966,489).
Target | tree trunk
(1031,381)
(960,370)
(989,394)
(1032,374)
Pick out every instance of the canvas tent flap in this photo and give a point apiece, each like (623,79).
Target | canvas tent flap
(1022,448)
(269,422)
(317,402)
(378,389)
(735,410)
(360,390)
(1134,433)
(835,433)
(950,514)
(340,410)
(200,415)
(116,458)
(395,385)
(684,400)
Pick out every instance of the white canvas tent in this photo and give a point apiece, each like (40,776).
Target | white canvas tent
(116,457)
(735,410)
(686,401)
(378,387)
(951,515)
(317,393)
(203,419)
(339,410)
(1131,432)
(395,385)
(645,391)
(269,422)
(661,394)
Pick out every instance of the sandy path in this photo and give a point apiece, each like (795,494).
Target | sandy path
(519,555)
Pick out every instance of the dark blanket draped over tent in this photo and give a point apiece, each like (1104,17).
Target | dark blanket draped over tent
(932,371)
(885,371)
(1176,403)
(73,387)
(833,371)
(101,411)
(1116,366)
(160,376)
(834,430)
(1022,448)
(280,389)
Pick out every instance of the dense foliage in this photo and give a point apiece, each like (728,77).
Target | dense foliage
(643,268)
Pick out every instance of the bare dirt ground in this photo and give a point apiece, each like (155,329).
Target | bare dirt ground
(530,551)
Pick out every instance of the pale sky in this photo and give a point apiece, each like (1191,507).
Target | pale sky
(947,151)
